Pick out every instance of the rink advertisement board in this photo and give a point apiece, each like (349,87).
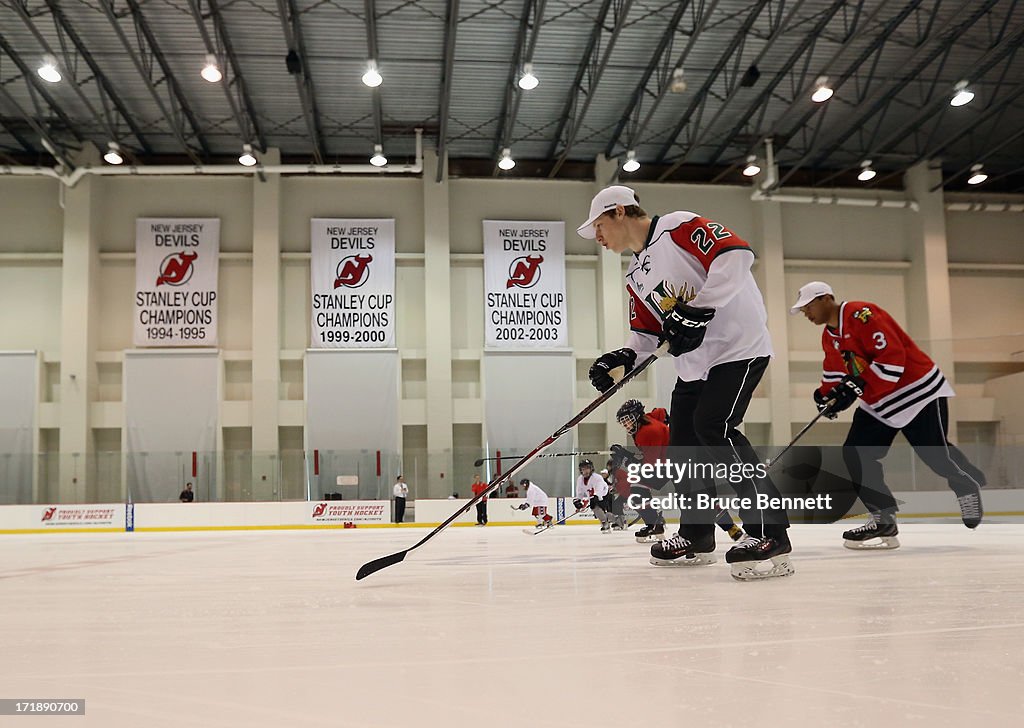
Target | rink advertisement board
(352,271)
(176,266)
(342,512)
(524,285)
(110,516)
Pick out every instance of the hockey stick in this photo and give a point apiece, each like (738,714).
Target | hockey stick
(481,461)
(771,461)
(559,523)
(383,562)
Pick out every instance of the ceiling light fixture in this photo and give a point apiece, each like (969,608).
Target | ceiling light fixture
(113,155)
(962,96)
(48,70)
(378,159)
(528,82)
(248,158)
(866,173)
(372,77)
(630,165)
(978,177)
(678,83)
(751,169)
(506,162)
(822,91)
(210,71)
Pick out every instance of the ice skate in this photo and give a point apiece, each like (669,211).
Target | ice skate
(649,534)
(749,557)
(736,533)
(606,527)
(679,551)
(874,535)
(971,511)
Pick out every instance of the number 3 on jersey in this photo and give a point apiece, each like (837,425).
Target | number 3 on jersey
(704,239)
(880,342)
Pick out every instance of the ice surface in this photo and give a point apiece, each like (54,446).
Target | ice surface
(493,627)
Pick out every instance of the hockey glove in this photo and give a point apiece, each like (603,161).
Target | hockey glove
(846,392)
(824,404)
(623,458)
(685,326)
(600,370)
(522,506)
(578,504)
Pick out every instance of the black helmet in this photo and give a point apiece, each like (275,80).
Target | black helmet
(586,464)
(524,481)
(630,414)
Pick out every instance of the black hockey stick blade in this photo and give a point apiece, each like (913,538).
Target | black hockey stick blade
(383,562)
(478,463)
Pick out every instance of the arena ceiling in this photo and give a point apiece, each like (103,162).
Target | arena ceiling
(607,71)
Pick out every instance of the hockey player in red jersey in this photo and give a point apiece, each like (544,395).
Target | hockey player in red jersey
(689,284)
(869,358)
(650,433)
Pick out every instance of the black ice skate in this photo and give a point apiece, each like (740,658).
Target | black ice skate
(877,534)
(751,553)
(679,551)
(970,509)
(647,534)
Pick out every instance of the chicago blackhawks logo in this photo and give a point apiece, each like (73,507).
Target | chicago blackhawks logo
(176,269)
(319,509)
(524,271)
(353,271)
(863,314)
(49,513)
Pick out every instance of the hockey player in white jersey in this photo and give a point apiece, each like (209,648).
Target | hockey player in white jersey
(591,486)
(689,283)
(537,501)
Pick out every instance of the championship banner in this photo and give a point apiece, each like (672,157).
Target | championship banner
(352,271)
(176,264)
(524,285)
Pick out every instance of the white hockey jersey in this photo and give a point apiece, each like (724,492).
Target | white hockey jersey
(592,487)
(535,496)
(683,260)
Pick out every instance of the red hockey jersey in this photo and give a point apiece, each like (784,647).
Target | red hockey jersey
(900,379)
(652,437)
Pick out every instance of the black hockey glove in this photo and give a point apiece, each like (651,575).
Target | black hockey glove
(578,504)
(685,326)
(824,404)
(522,506)
(600,370)
(846,392)
(623,458)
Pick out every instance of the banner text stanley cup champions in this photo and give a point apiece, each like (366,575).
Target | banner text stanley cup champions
(176,264)
(524,285)
(352,269)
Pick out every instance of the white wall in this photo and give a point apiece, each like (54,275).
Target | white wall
(985,303)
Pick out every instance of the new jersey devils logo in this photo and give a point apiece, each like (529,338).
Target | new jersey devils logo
(176,269)
(48,513)
(352,271)
(319,509)
(524,271)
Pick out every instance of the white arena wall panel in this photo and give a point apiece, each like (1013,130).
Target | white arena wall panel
(33,221)
(836,232)
(123,199)
(30,307)
(360,197)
